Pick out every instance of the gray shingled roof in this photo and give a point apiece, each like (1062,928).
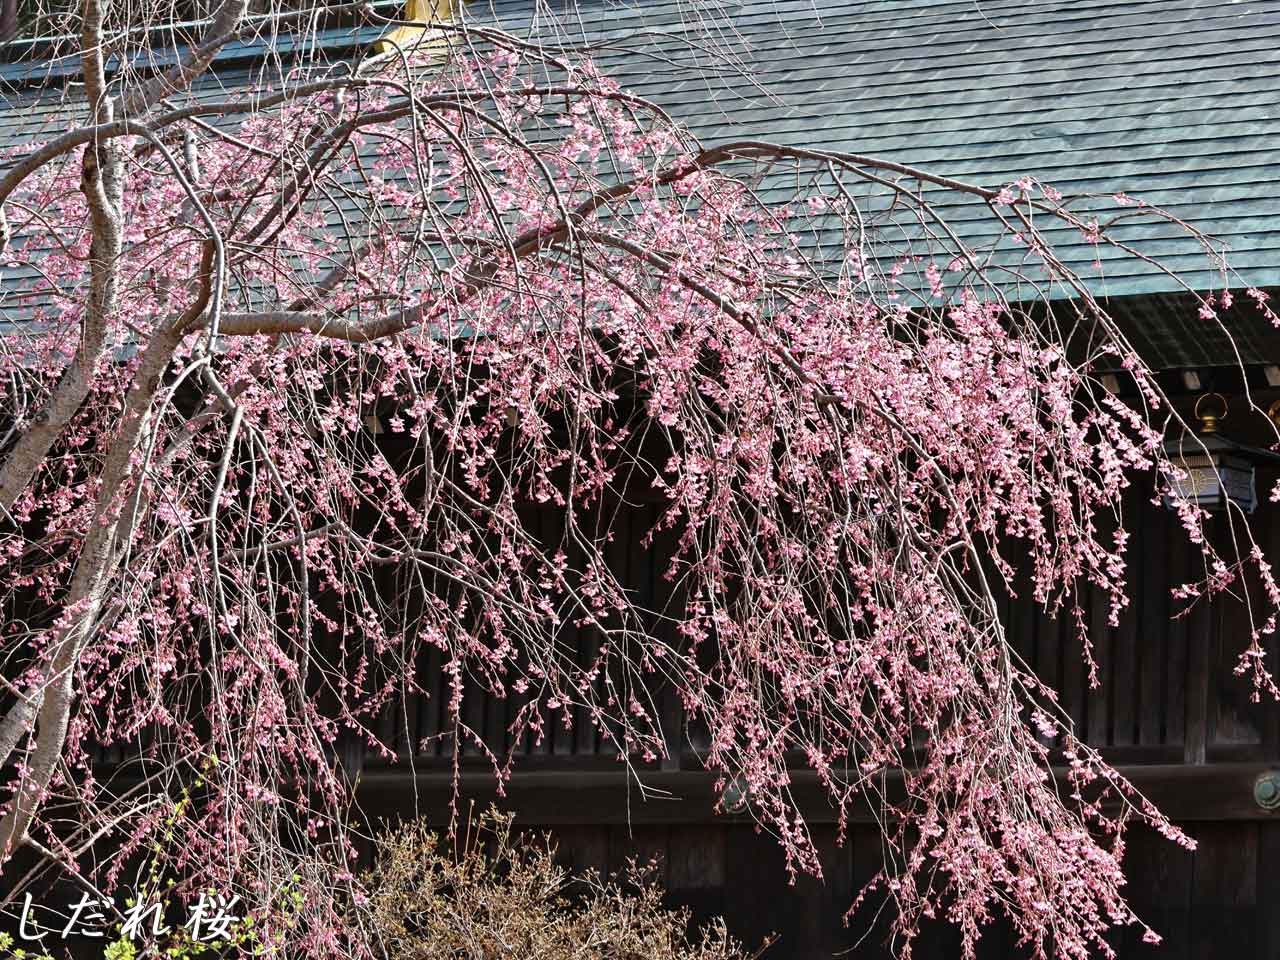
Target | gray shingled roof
(1176,101)
(1173,101)
(41,99)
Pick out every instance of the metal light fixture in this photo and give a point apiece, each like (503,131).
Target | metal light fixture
(736,797)
(1266,790)
(1217,471)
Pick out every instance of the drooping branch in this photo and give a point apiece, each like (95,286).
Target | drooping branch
(225,25)
(88,592)
(102,183)
(551,298)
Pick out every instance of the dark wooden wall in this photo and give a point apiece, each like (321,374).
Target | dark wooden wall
(1167,693)
(1169,711)
(1223,901)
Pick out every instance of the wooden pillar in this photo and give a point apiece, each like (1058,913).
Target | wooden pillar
(1199,654)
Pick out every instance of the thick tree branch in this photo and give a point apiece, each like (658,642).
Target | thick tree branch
(223,28)
(102,183)
(88,591)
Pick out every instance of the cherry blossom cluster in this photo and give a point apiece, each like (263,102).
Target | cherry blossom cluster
(361,327)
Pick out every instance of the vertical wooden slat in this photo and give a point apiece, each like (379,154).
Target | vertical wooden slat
(537,522)
(642,578)
(823,903)
(1024,619)
(697,869)
(755,891)
(553,539)
(1267,929)
(1224,891)
(495,724)
(869,926)
(1159,876)
(1233,720)
(1049,650)
(583,849)
(569,638)
(1074,680)
(643,844)
(697,857)
(1098,713)
(619,555)
(1154,621)
(669,603)
(431,704)
(390,721)
(1269,538)
(473,715)
(389,724)
(1124,679)
(1175,679)
(415,705)
(1199,627)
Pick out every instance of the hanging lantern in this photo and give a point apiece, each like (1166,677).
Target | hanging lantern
(1216,471)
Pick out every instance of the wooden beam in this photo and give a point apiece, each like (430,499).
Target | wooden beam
(1220,791)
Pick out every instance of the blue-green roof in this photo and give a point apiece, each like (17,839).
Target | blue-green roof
(1173,101)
